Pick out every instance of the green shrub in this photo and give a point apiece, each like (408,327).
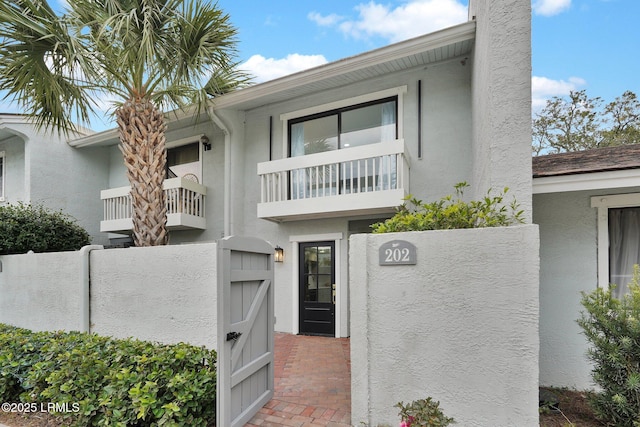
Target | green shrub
(423,413)
(107,381)
(612,327)
(452,213)
(25,228)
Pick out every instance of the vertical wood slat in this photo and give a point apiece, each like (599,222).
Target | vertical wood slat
(245,304)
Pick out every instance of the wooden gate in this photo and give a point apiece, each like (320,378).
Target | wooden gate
(245,329)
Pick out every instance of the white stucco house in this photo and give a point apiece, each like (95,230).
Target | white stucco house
(587,206)
(39,167)
(306,160)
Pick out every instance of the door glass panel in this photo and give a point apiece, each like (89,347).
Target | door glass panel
(324,288)
(324,260)
(311,294)
(310,260)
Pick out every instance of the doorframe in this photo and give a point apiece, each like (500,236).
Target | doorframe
(295,277)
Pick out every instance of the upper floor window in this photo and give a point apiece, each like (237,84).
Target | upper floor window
(2,173)
(184,161)
(353,126)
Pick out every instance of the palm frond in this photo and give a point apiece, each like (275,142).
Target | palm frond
(41,66)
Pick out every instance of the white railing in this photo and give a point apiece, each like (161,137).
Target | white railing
(184,198)
(365,169)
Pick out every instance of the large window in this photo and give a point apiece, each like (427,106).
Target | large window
(363,124)
(2,173)
(618,239)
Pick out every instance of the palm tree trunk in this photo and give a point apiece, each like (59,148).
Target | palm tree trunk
(142,142)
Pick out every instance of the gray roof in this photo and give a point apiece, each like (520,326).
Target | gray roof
(588,161)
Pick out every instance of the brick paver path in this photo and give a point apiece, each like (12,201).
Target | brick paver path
(312,383)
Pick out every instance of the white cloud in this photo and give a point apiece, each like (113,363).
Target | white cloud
(264,69)
(324,21)
(411,19)
(543,88)
(550,7)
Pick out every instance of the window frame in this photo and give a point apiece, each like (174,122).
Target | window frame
(3,174)
(338,113)
(186,141)
(603,204)
(345,104)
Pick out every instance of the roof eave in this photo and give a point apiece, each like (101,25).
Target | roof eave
(445,37)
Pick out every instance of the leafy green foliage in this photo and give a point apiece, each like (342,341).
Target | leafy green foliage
(111,382)
(55,64)
(612,326)
(452,213)
(26,228)
(580,123)
(423,413)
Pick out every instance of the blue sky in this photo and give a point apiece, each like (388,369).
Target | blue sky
(576,44)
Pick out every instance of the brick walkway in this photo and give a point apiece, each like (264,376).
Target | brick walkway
(312,383)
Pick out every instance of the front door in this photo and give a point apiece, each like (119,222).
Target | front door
(317,288)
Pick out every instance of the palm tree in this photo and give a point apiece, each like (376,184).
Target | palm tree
(148,55)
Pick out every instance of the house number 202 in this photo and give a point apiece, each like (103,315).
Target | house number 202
(397,252)
(396,255)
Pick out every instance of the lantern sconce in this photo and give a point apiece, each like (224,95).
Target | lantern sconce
(278,256)
(206,144)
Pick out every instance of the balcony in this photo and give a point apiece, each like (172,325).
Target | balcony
(185,207)
(364,180)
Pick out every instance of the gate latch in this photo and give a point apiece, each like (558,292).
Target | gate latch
(232,336)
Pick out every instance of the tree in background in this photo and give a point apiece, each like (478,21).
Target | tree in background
(148,55)
(580,123)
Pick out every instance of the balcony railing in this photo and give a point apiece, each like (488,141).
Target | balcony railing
(185,206)
(360,180)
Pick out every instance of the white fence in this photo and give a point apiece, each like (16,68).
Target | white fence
(165,294)
(186,293)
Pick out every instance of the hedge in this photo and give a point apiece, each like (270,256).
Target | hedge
(109,382)
(25,228)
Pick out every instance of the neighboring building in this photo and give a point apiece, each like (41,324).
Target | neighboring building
(39,167)
(587,205)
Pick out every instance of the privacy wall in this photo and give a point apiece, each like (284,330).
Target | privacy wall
(165,294)
(460,324)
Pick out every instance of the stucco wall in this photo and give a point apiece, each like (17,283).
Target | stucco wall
(166,294)
(501,85)
(460,326)
(568,267)
(42,291)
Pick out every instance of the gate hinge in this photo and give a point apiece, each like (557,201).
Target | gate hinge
(232,336)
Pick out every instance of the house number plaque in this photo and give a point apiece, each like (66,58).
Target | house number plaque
(397,252)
